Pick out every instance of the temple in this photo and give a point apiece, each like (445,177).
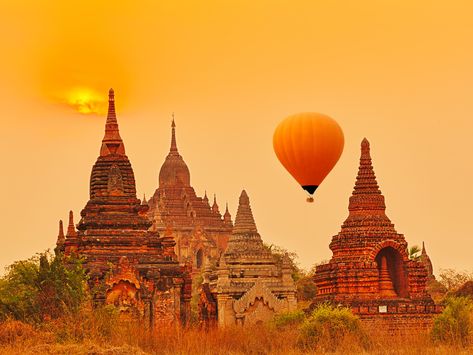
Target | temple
(425,259)
(248,286)
(370,271)
(129,266)
(200,231)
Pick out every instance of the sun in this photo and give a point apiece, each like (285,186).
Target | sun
(85,100)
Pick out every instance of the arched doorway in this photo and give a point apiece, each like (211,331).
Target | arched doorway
(395,268)
(199,258)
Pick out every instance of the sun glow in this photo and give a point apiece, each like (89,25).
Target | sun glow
(85,101)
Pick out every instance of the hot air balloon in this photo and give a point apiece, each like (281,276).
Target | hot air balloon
(308,145)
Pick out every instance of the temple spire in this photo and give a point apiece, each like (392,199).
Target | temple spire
(244,221)
(227,218)
(112,142)
(71,229)
(60,236)
(366,194)
(144,202)
(173,136)
(111,115)
(215,206)
(424,252)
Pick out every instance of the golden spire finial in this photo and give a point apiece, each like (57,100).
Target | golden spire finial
(112,142)
(173,135)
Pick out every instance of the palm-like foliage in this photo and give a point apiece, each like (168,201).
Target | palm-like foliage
(414,252)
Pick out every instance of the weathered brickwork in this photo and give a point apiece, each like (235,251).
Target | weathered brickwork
(129,266)
(370,270)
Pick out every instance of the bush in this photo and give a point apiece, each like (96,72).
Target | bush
(328,326)
(288,319)
(42,287)
(454,326)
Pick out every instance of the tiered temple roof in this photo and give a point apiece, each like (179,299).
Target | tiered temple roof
(245,244)
(248,285)
(370,270)
(196,226)
(114,230)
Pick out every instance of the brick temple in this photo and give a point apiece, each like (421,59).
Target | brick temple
(200,231)
(370,270)
(248,286)
(129,265)
(425,260)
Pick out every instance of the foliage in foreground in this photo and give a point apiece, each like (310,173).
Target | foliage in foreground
(101,332)
(455,325)
(42,287)
(288,319)
(327,326)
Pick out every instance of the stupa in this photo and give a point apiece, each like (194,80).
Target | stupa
(128,265)
(370,270)
(425,259)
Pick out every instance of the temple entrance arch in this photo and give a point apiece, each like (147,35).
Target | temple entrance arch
(391,268)
(199,258)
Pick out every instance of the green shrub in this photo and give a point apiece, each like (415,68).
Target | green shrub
(288,319)
(327,327)
(42,287)
(454,326)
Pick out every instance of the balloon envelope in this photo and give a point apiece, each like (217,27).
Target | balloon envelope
(308,145)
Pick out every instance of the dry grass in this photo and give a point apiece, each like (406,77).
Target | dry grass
(92,334)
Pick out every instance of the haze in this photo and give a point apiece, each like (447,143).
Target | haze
(396,72)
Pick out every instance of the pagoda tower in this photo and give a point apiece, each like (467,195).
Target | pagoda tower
(199,230)
(425,259)
(248,285)
(370,270)
(136,268)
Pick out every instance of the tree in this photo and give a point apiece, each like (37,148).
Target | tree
(452,279)
(455,325)
(414,252)
(42,287)
(306,289)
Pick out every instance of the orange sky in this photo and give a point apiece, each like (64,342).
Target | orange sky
(398,72)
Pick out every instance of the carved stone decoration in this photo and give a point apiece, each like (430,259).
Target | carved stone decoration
(258,292)
(115,181)
(259,312)
(370,271)
(248,286)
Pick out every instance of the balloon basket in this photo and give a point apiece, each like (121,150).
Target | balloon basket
(310,199)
